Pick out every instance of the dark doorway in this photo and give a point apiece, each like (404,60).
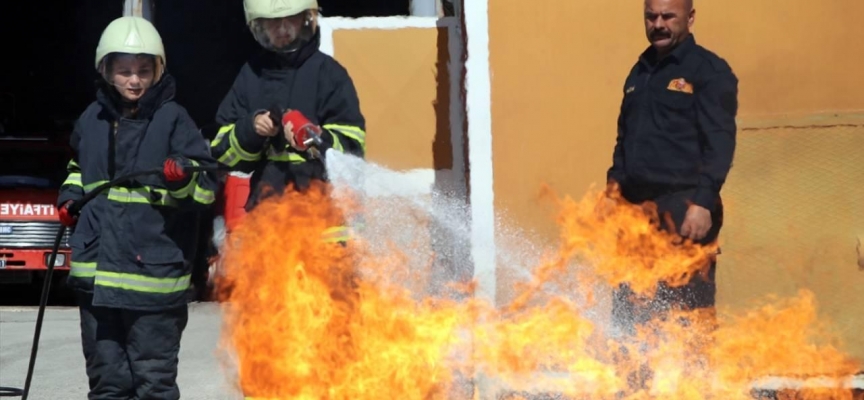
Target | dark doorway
(206,44)
(48,71)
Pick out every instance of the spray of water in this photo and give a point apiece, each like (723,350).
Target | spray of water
(401,210)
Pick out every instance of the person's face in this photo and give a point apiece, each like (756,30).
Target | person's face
(283,31)
(132,75)
(667,23)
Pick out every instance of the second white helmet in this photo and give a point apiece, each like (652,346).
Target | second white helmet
(282,25)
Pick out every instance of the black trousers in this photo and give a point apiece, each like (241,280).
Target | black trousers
(131,354)
(628,311)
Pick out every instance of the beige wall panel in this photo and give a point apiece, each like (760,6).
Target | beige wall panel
(785,65)
(794,221)
(557,78)
(404,87)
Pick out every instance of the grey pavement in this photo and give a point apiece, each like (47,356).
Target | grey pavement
(59,372)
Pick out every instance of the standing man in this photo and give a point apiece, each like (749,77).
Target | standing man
(676,139)
(281,94)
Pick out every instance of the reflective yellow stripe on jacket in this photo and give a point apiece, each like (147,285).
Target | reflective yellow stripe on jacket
(288,156)
(155,196)
(73,179)
(131,282)
(142,195)
(198,193)
(234,153)
(80,269)
(351,132)
(141,283)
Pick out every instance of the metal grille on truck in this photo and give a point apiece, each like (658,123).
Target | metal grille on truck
(31,234)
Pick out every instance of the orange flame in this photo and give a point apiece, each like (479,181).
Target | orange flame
(306,319)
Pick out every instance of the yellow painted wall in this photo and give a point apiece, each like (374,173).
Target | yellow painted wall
(557,75)
(404,88)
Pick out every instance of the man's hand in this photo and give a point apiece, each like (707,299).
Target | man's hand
(264,125)
(66,217)
(610,200)
(697,222)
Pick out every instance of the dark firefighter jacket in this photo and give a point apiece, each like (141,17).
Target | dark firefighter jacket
(131,246)
(307,80)
(676,129)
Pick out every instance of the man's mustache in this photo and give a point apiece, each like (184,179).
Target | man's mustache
(660,34)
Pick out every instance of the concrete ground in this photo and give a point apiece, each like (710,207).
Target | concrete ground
(59,372)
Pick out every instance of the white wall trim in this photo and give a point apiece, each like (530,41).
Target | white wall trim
(478,88)
(326,45)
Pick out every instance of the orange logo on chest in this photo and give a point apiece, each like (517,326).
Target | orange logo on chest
(680,85)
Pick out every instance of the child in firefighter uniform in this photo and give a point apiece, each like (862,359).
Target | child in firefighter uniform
(131,251)
(287,90)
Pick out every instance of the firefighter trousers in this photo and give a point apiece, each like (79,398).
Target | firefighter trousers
(131,354)
(629,310)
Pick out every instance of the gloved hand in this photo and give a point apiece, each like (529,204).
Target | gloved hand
(67,219)
(298,129)
(175,169)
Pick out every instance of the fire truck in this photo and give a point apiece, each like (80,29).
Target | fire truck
(34,169)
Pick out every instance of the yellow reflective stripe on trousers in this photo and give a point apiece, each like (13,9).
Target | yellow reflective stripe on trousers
(336,234)
(352,132)
(73,179)
(80,269)
(144,195)
(140,283)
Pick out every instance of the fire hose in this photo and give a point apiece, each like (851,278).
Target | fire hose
(46,285)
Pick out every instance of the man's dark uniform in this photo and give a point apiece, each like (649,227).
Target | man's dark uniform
(676,139)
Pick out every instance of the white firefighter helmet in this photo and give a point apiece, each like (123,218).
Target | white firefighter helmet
(282,25)
(131,35)
(276,8)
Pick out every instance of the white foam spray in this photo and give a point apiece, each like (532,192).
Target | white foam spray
(400,211)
